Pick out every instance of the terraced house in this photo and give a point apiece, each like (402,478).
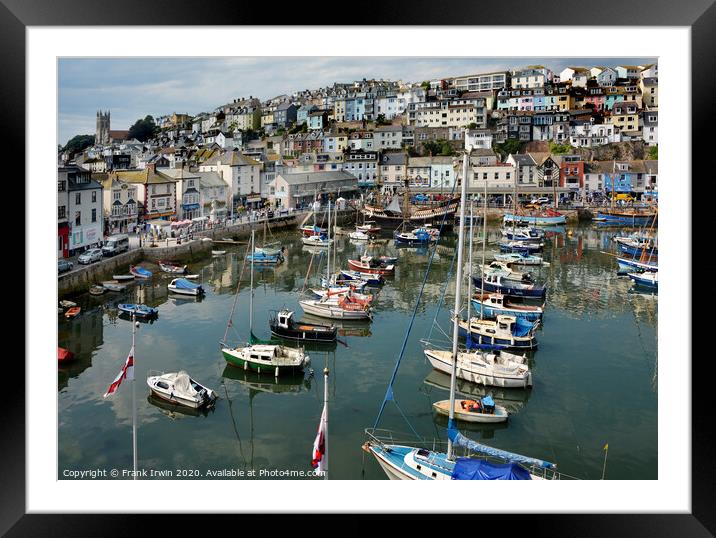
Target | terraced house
(156,192)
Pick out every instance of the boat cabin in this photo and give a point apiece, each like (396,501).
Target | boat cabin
(285,319)
(263,353)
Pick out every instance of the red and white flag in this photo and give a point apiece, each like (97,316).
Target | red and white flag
(127,372)
(318,461)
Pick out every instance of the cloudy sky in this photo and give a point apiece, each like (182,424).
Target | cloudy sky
(131,88)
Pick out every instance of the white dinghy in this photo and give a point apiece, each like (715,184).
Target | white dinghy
(179,388)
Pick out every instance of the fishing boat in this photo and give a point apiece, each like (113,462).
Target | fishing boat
(368,264)
(317,241)
(184,287)
(371,279)
(72,312)
(139,310)
(283,325)
(169,267)
(505,332)
(180,389)
(96,290)
(140,272)
(520,259)
(652,251)
(67,304)
(628,217)
(647,279)
(123,277)
(494,304)
(64,355)
(344,307)
(484,410)
(401,461)
(113,285)
(499,283)
(626,265)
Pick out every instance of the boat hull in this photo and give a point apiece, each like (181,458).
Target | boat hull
(493,312)
(304,335)
(631,265)
(236,359)
(443,408)
(495,342)
(332,311)
(536,220)
(476,376)
(537,292)
(626,218)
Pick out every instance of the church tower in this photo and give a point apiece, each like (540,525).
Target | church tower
(102,133)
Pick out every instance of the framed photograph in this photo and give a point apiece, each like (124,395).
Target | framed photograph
(264,234)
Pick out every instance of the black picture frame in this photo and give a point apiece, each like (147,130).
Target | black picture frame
(699,15)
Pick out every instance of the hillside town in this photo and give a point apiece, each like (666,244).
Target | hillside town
(575,137)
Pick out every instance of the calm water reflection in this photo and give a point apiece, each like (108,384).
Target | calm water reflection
(597,357)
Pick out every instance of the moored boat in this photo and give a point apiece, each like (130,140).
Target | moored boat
(367,264)
(96,290)
(628,217)
(343,308)
(184,287)
(371,279)
(218,252)
(139,310)
(72,312)
(179,388)
(169,267)
(646,279)
(113,285)
(626,265)
(67,304)
(505,332)
(140,272)
(484,410)
(260,258)
(317,241)
(526,247)
(537,220)
(123,277)
(64,355)
(499,283)
(283,325)
(267,359)
(497,368)
(308,230)
(518,258)
(493,304)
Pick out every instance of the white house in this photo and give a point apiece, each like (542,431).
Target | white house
(242,173)
(84,208)
(478,139)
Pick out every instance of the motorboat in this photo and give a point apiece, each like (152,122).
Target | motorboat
(183,286)
(140,272)
(139,310)
(179,388)
(317,241)
(169,267)
(500,283)
(369,227)
(520,259)
(344,307)
(360,235)
(483,410)
(505,332)
(647,279)
(368,264)
(493,304)
(67,304)
(283,325)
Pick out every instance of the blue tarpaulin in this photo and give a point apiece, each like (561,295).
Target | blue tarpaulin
(487,400)
(474,469)
(184,284)
(522,327)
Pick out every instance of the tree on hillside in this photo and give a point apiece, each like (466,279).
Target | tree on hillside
(78,143)
(511,145)
(144,129)
(559,149)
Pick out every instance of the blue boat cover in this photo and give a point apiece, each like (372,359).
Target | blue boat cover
(459,439)
(184,284)
(475,469)
(487,400)
(522,327)
(142,271)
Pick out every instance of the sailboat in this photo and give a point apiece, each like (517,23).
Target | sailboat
(405,462)
(269,249)
(262,358)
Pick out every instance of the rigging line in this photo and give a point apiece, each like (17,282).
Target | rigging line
(389,390)
(442,296)
(236,297)
(406,420)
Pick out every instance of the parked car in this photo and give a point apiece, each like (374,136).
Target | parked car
(63,266)
(90,256)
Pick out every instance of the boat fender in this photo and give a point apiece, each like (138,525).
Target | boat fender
(276,373)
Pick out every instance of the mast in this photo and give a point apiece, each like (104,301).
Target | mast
(469,269)
(484,242)
(325,407)
(328,253)
(135,324)
(458,282)
(251,295)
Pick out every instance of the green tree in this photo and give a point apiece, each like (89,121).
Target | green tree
(511,145)
(472,126)
(559,149)
(446,149)
(78,143)
(425,85)
(144,129)
(654,152)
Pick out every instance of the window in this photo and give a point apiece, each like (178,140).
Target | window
(61,212)
(78,198)
(78,218)
(61,186)
(94,198)
(94,215)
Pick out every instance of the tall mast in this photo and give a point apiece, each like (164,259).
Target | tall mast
(325,407)
(484,242)
(251,295)
(328,259)
(134,397)
(469,268)
(458,282)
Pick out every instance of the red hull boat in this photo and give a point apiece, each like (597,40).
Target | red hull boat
(369,265)
(64,355)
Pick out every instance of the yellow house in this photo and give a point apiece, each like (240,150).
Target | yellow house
(625,116)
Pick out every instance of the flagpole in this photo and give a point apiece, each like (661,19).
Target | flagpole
(604,467)
(135,323)
(325,406)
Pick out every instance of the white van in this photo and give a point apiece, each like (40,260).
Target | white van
(116,244)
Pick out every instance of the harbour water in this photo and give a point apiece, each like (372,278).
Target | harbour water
(595,372)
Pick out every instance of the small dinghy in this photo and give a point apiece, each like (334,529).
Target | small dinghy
(67,304)
(72,312)
(64,355)
(183,287)
(360,235)
(140,272)
(369,227)
(218,252)
(191,277)
(369,278)
(96,290)
(169,267)
(179,388)
(317,241)
(113,285)
(647,279)
(123,277)
(484,410)
(264,259)
(283,325)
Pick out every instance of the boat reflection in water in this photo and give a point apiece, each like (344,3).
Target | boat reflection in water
(511,399)
(175,411)
(345,327)
(261,383)
(186,299)
(128,317)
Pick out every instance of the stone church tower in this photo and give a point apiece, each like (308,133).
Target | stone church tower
(102,134)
